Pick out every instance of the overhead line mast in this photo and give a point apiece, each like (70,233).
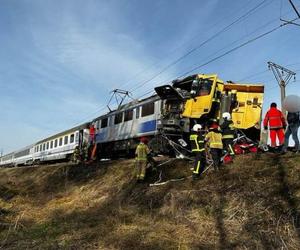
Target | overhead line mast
(283,76)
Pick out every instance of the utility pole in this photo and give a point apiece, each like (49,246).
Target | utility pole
(283,76)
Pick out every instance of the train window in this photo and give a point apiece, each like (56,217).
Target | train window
(66,140)
(55,143)
(128,115)
(51,144)
(60,141)
(148,109)
(110,120)
(104,123)
(40,147)
(47,147)
(137,113)
(118,118)
(44,146)
(72,137)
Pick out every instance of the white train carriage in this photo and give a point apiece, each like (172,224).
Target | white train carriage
(119,129)
(24,156)
(57,147)
(7,160)
(60,146)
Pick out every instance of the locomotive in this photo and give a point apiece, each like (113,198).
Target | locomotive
(170,113)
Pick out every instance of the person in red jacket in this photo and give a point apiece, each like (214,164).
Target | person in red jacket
(92,135)
(277,125)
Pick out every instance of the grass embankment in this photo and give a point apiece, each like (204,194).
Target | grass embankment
(251,204)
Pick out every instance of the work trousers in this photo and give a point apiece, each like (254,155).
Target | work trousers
(228,145)
(140,169)
(292,129)
(279,133)
(199,164)
(216,154)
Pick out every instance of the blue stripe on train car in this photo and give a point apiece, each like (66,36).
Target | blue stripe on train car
(147,126)
(100,137)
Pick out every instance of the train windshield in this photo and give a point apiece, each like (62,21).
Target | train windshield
(201,87)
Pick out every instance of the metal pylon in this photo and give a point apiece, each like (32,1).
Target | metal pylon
(283,76)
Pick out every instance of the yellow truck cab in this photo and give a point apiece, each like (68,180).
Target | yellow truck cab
(203,98)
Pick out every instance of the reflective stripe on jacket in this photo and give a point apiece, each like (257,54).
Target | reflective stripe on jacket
(275,119)
(141,152)
(214,139)
(228,130)
(197,142)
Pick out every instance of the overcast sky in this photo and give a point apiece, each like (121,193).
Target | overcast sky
(60,59)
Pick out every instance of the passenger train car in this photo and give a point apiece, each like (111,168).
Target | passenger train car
(57,147)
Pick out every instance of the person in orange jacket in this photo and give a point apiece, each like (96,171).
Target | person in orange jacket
(277,124)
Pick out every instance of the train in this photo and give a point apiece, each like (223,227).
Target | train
(169,113)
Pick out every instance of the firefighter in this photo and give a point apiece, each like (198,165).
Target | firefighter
(76,155)
(197,146)
(228,132)
(141,154)
(85,152)
(214,139)
(277,125)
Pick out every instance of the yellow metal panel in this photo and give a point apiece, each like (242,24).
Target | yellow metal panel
(248,112)
(200,105)
(196,108)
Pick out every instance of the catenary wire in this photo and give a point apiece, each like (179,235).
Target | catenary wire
(260,5)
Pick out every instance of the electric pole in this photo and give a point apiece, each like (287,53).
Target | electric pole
(283,76)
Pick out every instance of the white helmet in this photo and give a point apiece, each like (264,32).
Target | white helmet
(226,115)
(197,127)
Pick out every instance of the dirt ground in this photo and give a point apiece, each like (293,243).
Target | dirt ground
(251,204)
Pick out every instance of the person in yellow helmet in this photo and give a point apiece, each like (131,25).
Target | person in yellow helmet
(214,140)
(141,154)
(198,148)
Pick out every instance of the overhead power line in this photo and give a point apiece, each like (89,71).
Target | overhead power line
(213,59)
(234,49)
(168,54)
(202,44)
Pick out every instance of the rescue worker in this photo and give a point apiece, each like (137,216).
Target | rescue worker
(228,133)
(141,153)
(76,155)
(197,146)
(277,125)
(85,152)
(292,129)
(214,139)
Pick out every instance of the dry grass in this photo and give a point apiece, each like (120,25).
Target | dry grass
(251,204)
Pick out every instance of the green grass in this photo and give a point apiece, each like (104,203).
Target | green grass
(251,204)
